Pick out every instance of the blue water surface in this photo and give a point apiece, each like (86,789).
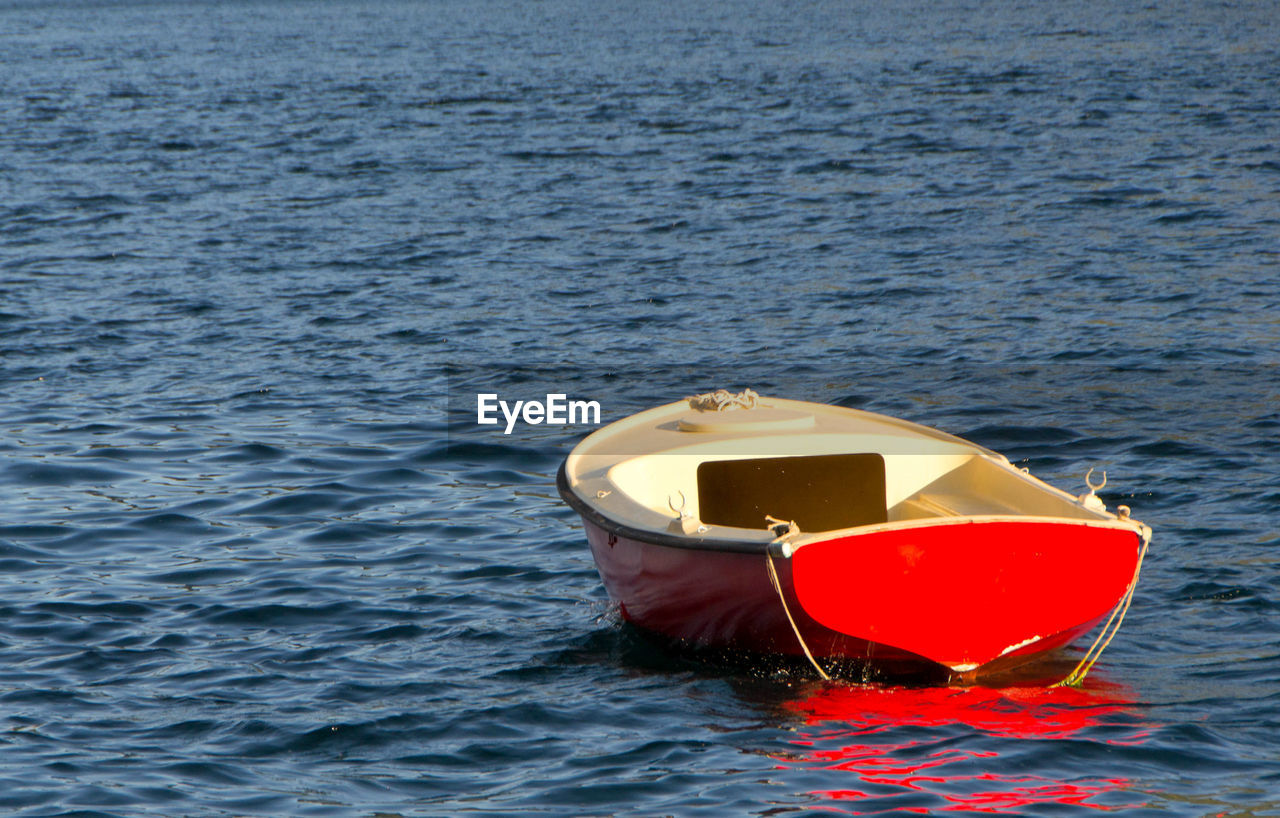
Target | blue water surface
(252,254)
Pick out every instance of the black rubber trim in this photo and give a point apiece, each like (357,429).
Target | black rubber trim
(590,513)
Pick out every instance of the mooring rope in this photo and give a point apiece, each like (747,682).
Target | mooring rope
(777,586)
(1100,644)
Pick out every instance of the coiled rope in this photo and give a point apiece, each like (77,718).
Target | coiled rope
(722,400)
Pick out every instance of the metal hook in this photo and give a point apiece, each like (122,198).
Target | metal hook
(1092,487)
(1091,500)
(680,510)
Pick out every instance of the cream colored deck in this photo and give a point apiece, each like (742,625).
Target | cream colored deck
(642,471)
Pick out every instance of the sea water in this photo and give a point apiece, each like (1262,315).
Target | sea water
(259,258)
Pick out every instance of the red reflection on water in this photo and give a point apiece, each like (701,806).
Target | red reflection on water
(852,724)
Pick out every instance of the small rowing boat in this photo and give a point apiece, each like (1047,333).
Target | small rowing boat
(779,526)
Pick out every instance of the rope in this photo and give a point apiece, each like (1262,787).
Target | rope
(722,400)
(777,586)
(783,530)
(1100,644)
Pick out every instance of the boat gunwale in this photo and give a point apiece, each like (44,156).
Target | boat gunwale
(763,546)
(653,536)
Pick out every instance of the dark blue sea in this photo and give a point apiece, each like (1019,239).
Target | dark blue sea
(259,257)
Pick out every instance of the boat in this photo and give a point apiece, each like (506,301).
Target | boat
(736,522)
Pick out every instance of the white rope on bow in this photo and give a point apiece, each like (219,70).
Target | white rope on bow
(723,400)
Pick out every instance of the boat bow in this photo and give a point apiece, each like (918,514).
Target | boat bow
(967,592)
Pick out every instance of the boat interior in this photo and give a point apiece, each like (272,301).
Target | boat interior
(827,492)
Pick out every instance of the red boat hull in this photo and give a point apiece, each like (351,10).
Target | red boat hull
(968,592)
(878,600)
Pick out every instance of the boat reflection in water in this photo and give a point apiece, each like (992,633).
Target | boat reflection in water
(915,749)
